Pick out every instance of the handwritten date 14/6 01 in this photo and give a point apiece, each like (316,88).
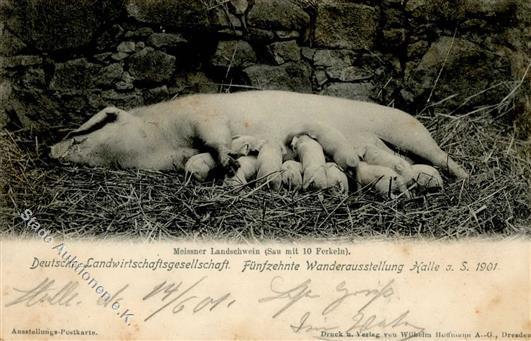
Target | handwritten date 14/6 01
(178,297)
(479,266)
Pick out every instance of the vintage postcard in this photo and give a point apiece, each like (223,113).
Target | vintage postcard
(106,290)
(265,170)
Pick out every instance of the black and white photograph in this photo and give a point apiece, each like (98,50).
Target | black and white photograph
(245,120)
(250,122)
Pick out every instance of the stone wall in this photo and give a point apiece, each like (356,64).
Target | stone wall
(63,60)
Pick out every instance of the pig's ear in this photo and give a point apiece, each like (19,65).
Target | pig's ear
(360,151)
(313,136)
(293,143)
(283,150)
(106,116)
(246,149)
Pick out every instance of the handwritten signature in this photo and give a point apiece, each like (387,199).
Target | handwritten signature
(357,302)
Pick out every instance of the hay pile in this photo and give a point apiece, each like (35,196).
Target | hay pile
(76,201)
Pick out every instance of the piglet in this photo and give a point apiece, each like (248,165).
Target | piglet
(200,165)
(247,170)
(313,161)
(291,174)
(335,178)
(270,163)
(385,180)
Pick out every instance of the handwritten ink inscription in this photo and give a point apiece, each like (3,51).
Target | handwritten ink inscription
(177,297)
(325,319)
(335,310)
(47,292)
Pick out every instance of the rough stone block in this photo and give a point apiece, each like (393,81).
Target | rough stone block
(109,75)
(417,49)
(289,76)
(19,61)
(74,74)
(119,56)
(345,25)
(60,24)
(126,47)
(109,38)
(125,100)
(348,74)
(10,44)
(393,38)
(436,10)
(234,53)
(102,57)
(457,67)
(151,65)
(172,13)
(224,19)
(333,58)
(194,82)
(355,91)
(320,77)
(166,40)
(307,53)
(126,83)
(285,35)
(156,95)
(32,77)
(142,32)
(492,8)
(284,51)
(35,108)
(258,34)
(277,15)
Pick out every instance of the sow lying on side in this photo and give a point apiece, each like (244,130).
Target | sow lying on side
(166,135)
